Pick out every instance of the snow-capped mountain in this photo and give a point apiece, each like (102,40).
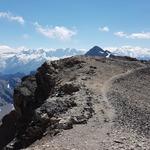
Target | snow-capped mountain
(29,60)
(25,61)
(131,51)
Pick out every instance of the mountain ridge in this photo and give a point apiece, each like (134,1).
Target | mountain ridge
(81,96)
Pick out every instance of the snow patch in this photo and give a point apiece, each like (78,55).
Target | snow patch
(8,86)
(108,55)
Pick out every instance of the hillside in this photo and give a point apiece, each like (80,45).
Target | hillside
(7,85)
(82,103)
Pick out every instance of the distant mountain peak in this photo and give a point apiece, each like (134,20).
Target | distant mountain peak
(97,47)
(97,51)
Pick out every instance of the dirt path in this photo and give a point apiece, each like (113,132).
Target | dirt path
(96,134)
(107,85)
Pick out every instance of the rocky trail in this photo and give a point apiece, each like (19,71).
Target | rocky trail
(88,107)
(109,84)
(98,133)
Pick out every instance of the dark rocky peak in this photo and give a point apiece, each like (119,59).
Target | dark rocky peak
(96,51)
(97,48)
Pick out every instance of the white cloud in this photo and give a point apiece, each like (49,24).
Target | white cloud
(138,35)
(57,32)
(141,35)
(132,51)
(104,29)
(11,17)
(4,49)
(120,34)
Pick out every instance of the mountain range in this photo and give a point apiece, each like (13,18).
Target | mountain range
(28,60)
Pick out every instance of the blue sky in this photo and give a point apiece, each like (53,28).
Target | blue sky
(74,23)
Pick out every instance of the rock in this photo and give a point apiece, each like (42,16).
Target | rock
(139,145)
(117,141)
(65,123)
(10,118)
(93,67)
(8,128)
(79,120)
(24,98)
(106,120)
(54,106)
(71,62)
(54,120)
(69,88)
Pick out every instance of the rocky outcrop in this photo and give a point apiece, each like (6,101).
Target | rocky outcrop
(42,103)
(59,96)
(8,128)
